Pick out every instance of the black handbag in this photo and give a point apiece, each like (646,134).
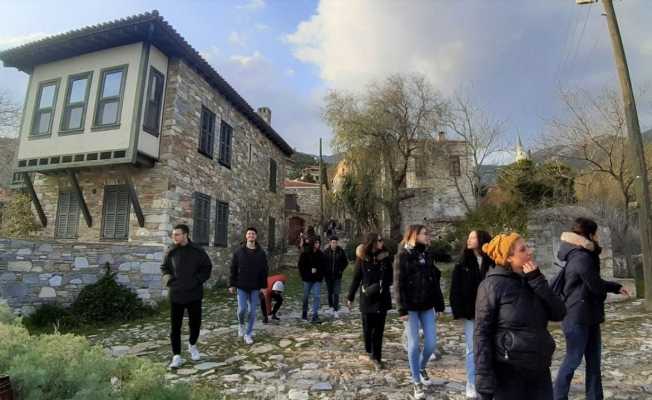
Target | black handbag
(375,289)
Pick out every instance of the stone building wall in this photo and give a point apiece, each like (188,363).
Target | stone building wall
(165,192)
(308,201)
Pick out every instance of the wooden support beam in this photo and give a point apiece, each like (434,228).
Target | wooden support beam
(35,200)
(80,198)
(133,196)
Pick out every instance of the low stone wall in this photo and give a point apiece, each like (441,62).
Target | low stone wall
(34,272)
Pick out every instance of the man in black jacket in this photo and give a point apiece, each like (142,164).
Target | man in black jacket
(311,268)
(335,263)
(185,268)
(248,277)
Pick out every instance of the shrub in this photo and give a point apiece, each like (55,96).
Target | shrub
(106,301)
(441,250)
(49,367)
(50,317)
(17,218)
(6,316)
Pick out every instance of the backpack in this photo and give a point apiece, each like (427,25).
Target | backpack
(558,282)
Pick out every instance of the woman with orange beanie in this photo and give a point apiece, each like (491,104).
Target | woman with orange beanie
(513,348)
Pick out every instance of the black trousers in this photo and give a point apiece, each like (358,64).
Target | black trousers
(194,321)
(277,299)
(373,328)
(512,384)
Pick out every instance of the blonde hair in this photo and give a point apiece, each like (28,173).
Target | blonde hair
(410,237)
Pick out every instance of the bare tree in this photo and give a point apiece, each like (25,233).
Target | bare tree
(593,136)
(386,123)
(483,135)
(9,115)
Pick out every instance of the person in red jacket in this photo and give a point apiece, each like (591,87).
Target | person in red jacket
(273,292)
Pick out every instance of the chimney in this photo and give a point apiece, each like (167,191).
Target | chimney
(441,136)
(266,114)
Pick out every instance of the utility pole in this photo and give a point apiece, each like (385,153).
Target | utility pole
(321,190)
(637,151)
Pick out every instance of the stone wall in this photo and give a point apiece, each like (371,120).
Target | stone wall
(38,272)
(544,231)
(34,272)
(308,201)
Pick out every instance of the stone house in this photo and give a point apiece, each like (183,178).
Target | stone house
(302,207)
(436,185)
(127,130)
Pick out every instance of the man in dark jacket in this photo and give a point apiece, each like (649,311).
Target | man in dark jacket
(311,268)
(335,262)
(248,278)
(185,268)
(585,292)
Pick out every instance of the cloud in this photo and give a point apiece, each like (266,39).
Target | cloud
(251,61)
(261,27)
(237,39)
(289,72)
(7,42)
(253,5)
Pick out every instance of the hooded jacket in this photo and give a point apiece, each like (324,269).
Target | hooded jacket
(584,290)
(185,269)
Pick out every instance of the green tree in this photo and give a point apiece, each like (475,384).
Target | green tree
(17,218)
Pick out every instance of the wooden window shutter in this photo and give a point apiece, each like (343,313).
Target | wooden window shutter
(272,175)
(222,224)
(201,218)
(67,216)
(115,213)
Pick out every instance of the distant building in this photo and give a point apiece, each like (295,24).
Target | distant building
(521,154)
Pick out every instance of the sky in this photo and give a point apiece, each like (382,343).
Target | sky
(511,56)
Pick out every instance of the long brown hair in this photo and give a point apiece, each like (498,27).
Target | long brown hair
(369,245)
(410,237)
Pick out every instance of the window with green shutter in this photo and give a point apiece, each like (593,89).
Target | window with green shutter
(226,135)
(272,175)
(207,132)
(222,224)
(67,216)
(271,234)
(201,211)
(115,213)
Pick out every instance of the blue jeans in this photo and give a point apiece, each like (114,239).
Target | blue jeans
(313,287)
(418,359)
(469,326)
(581,341)
(334,287)
(247,303)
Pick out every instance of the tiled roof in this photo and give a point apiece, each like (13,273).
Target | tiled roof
(148,26)
(300,184)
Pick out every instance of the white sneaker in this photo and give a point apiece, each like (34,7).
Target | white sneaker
(470,391)
(248,340)
(194,352)
(336,314)
(425,379)
(419,394)
(241,330)
(177,362)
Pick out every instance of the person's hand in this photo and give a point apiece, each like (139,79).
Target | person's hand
(349,304)
(529,267)
(624,292)
(232,290)
(262,291)
(403,318)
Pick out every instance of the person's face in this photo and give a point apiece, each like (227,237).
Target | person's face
(179,237)
(251,236)
(380,243)
(316,245)
(521,255)
(594,237)
(472,241)
(333,244)
(423,236)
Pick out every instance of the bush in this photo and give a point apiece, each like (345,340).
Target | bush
(49,367)
(441,250)
(51,317)
(107,301)
(6,316)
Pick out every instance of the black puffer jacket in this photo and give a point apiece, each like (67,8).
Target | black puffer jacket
(417,281)
(335,262)
(467,276)
(310,261)
(249,268)
(511,325)
(373,269)
(585,291)
(185,269)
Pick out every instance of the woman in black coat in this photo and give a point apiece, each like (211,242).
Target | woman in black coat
(513,348)
(467,275)
(374,276)
(584,292)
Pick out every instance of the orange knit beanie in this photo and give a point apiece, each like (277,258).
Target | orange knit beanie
(498,248)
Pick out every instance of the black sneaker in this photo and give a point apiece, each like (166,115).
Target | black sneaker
(315,320)
(265,320)
(274,317)
(304,316)
(419,393)
(425,379)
